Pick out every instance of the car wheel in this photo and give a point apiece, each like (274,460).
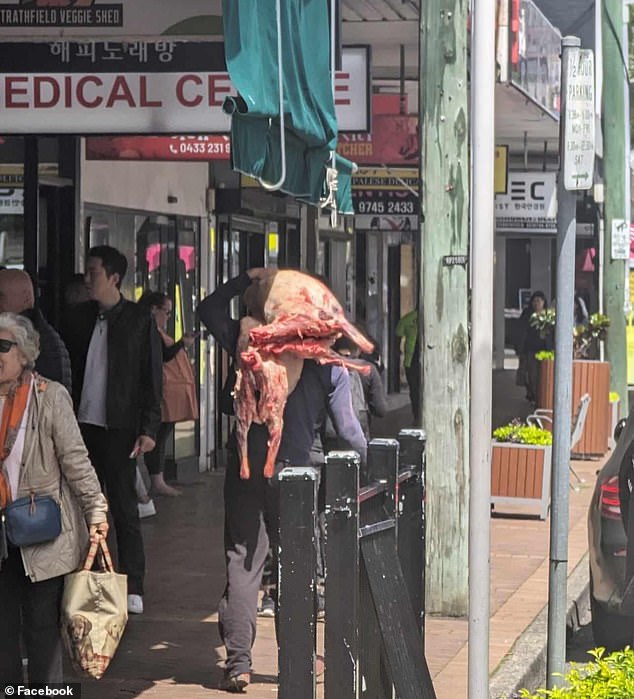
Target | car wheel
(609,630)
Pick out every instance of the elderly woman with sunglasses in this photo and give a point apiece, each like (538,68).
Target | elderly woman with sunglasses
(41,453)
(179,390)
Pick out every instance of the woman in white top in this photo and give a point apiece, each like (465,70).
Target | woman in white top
(41,453)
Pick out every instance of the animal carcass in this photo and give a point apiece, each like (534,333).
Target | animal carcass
(293,316)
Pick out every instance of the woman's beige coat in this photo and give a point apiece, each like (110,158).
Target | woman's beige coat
(53,448)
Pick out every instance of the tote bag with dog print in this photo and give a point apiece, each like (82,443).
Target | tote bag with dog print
(94,613)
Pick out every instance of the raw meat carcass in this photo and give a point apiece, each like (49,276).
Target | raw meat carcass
(293,316)
(262,386)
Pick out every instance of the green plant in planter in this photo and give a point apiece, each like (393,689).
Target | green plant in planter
(608,677)
(544,321)
(543,355)
(584,335)
(519,433)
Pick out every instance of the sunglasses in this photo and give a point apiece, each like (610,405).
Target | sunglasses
(6,345)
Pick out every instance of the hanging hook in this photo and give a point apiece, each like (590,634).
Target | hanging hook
(270,186)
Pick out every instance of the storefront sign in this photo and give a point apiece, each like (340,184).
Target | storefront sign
(386,199)
(67,13)
(11,202)
(529,206)
(138,87)
(158,148)
(46,19)
(535,55)
(392,141)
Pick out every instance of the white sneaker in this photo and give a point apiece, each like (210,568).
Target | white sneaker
(135,604)
(146,509)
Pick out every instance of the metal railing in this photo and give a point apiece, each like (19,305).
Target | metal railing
(375,568)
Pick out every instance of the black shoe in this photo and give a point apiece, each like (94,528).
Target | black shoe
(267,607)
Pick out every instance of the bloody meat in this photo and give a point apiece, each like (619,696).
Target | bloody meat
(292,316)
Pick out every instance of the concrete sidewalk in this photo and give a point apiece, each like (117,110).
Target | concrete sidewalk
(174,650)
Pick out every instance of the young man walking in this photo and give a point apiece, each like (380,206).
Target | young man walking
(115,353)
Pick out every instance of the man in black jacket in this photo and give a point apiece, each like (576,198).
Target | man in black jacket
(115,353)
(252,506)
(17,296)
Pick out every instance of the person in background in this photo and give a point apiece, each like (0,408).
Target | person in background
(372,400)
(41,452)
(374,356)
(18,296)
(320,389)
(115,352)
(179,389)
(407,328)
(532,341)
(581,316)
(76,291)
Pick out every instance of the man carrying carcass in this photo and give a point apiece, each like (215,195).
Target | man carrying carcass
(252,503)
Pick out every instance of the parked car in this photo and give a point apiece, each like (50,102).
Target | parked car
(608,542)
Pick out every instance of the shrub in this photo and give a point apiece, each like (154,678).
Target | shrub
(585,335)
(543,355)
(519,433)
(544,321)
(608,677)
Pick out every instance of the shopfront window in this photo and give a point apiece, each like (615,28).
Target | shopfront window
(12,196)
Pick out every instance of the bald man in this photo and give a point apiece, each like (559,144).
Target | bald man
(17,296)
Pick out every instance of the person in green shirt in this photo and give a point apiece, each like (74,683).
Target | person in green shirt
(407,328)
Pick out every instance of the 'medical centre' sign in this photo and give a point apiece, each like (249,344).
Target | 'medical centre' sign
(152,87)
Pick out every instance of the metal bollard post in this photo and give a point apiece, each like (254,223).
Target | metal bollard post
(383,469)
(379,526)
(411,530)
(296,593)
(342,575)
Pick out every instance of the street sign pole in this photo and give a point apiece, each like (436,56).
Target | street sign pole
(483,227)
(576,145)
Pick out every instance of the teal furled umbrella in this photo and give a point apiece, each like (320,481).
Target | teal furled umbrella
(283,123)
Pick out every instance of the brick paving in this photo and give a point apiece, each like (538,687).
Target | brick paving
(174,650)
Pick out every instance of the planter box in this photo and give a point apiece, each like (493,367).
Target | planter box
(587,377)
(520,475)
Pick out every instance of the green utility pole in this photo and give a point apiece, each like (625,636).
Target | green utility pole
(443,301)
(614,168)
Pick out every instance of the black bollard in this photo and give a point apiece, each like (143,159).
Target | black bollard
(342,575)
(297,583)
(411,526)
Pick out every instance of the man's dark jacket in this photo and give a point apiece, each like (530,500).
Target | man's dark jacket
(133,400)
(53,362)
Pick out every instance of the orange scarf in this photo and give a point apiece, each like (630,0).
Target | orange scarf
(12,414)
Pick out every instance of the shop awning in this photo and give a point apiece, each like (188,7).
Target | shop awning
(310,128)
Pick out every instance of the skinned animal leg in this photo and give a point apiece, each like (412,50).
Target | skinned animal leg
(245,409)
(272,382)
